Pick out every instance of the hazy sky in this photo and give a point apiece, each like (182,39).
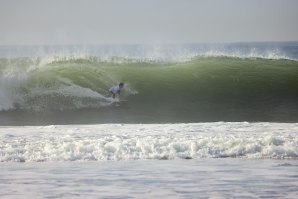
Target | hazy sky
(146,21)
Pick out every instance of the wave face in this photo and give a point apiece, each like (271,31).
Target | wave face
(139,142)
(209,87)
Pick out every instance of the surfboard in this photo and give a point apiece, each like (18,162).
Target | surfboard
(120,102)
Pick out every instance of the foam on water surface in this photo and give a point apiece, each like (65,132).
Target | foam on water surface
(148,141)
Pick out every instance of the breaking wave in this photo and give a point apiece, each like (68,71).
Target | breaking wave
(162,84)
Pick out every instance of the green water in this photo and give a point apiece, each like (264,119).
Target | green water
(201,89)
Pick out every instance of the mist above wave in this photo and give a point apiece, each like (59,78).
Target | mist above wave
(266,50)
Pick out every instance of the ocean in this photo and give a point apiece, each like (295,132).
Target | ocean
(192,121)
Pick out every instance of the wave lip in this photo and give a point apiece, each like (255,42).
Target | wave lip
(253,53)
(139,142)
(166,52)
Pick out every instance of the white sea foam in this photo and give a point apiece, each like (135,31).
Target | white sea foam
(11,95)
(9,83)
(148,141)
(252,53)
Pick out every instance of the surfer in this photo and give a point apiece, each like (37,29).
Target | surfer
(116,89)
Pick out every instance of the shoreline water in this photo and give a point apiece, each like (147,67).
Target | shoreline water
(227,178)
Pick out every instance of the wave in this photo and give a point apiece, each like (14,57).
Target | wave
(199,89)
(54,83)
(161,142)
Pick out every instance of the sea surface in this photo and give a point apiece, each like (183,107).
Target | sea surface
(202,178)
(193,121)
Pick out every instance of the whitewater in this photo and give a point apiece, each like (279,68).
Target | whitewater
(149,142)
(198,121)
(199,160)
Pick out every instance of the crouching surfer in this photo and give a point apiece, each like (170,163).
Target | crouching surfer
(116,89)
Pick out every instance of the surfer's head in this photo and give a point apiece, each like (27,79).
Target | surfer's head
(121,85)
